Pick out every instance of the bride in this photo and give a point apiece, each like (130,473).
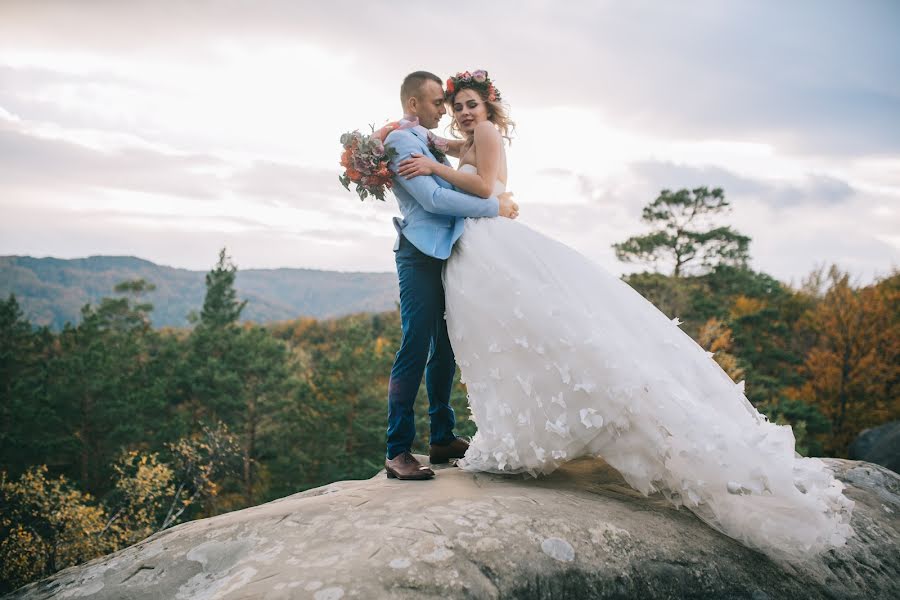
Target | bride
(562,359)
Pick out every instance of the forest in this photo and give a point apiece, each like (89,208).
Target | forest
(113,429)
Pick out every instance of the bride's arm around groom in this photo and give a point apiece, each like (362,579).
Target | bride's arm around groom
(433,193)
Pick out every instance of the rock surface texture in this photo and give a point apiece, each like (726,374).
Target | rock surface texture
(578,533)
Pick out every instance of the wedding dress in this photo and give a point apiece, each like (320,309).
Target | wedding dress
(562,359)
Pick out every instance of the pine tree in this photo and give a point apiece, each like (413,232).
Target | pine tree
(684,232)
(23,405)
(238,375)
(103,385)
(221,307)
(210,378)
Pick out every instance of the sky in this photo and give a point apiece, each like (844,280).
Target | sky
(167,130)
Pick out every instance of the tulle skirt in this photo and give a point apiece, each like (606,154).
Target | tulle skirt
(562,359)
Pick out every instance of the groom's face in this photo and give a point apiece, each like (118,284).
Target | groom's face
(430,104)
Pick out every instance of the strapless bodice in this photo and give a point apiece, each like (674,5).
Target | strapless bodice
(499,186)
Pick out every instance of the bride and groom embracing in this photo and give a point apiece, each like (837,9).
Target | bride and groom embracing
(562,359)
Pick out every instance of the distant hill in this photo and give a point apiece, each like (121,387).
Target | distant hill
(51,291)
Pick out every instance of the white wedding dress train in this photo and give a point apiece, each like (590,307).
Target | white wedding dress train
(562,359)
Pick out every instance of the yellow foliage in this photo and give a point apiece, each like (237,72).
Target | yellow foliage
(744,306)
(22,556)
(715,336)
(853,368)
(301,326)
(49,526)
(144,485)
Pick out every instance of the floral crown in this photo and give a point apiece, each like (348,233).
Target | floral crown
(477,80)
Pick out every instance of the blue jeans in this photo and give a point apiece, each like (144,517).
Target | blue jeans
(425,347)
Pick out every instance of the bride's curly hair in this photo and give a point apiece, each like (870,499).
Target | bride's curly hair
(479,82)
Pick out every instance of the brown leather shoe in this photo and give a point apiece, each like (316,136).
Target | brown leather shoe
(442,454)
(405,466)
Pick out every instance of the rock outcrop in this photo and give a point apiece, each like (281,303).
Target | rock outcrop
(579,533)
(880,445)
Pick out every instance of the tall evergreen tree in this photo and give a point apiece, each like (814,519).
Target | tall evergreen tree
(15,333)
(256,414)
(103,386)
(221,307)
(238,375)
(23,398)
(210,378)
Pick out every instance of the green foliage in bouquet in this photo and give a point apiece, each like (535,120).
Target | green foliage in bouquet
(365,160)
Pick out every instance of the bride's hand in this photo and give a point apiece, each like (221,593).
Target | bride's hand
(416,165)
(508,207)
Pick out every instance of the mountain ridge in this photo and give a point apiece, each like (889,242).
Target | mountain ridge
(51,291)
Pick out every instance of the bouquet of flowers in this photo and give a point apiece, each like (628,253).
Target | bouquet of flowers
(365,160)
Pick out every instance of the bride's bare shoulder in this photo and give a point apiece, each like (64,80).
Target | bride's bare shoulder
(486,129)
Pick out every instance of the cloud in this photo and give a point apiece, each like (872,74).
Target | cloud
(791,241)
(794,225)
(167,221)
(34,161)
(822,190)
(126,113)
(70,234)
(808,76)
(282,183)
(161,201)
(814,190)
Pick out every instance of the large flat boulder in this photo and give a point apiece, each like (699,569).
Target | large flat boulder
(579,533)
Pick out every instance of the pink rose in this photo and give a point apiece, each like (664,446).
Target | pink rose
(480,76)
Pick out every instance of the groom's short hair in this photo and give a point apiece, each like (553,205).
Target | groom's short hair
(413,82)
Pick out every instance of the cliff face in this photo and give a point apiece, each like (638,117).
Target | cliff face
(580,533)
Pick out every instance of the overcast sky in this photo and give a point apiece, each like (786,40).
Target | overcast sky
(167,130)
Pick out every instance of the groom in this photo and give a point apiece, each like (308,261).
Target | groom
(433,219)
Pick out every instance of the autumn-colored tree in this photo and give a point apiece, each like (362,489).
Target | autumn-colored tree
(715,337)
(46,524)
(853,369)
(143,486)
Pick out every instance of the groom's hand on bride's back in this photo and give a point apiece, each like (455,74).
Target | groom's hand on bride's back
(508,208)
